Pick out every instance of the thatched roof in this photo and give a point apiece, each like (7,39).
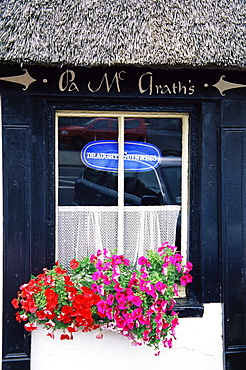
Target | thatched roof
(136,32)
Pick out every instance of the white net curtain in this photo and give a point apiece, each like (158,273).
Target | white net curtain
(83,230)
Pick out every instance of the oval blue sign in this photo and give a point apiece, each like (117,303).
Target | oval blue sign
(103,155)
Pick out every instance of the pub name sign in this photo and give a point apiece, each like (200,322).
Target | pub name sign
(149,83)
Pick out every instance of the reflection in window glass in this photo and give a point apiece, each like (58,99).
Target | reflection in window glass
(172,176)
(160,185)
(78,184)
(92,175)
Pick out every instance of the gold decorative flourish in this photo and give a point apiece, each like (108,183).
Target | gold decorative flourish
(223,85)
(25,79)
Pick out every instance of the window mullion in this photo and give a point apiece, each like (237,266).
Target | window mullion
(121,185)
(184,187)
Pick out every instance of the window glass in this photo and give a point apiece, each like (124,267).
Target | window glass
(172,176)
(100,124)
(113,124)
(131,123)
(79,184)
(92,175)
(159,184)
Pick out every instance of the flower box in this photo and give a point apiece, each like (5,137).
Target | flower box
(105,292)
(198,346)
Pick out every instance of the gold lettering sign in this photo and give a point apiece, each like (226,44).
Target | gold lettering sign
(66,81)
(117,78)
(147,83)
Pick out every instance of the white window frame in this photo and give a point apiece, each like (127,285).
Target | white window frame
(121,115)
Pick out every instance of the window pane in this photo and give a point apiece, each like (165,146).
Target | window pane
(148,183)
(79,184)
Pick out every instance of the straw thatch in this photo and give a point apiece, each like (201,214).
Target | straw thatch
(137,32)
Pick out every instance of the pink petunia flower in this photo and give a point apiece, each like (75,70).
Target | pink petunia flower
(184,280)
(143,261)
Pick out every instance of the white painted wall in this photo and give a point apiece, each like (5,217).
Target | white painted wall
(198,347)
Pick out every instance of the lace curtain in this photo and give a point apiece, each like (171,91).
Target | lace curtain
(82,230)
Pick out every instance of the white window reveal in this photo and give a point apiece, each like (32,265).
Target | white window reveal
(122,182)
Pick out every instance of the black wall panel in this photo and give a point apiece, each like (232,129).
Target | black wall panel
(29,211)
(17,186)
(209,208)
(233,243)
(43,186)
(15,109)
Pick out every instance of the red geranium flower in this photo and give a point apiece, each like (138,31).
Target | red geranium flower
(29,305)
(72,329)
(15,303)
(65,336)
(74,264)
(41,315)
(52,298)
(17,317)
(79,300)
(30,326)
(59,270)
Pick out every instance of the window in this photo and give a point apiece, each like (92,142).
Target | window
(120,180)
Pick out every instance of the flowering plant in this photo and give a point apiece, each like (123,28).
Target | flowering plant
(106,291)
(52,299)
